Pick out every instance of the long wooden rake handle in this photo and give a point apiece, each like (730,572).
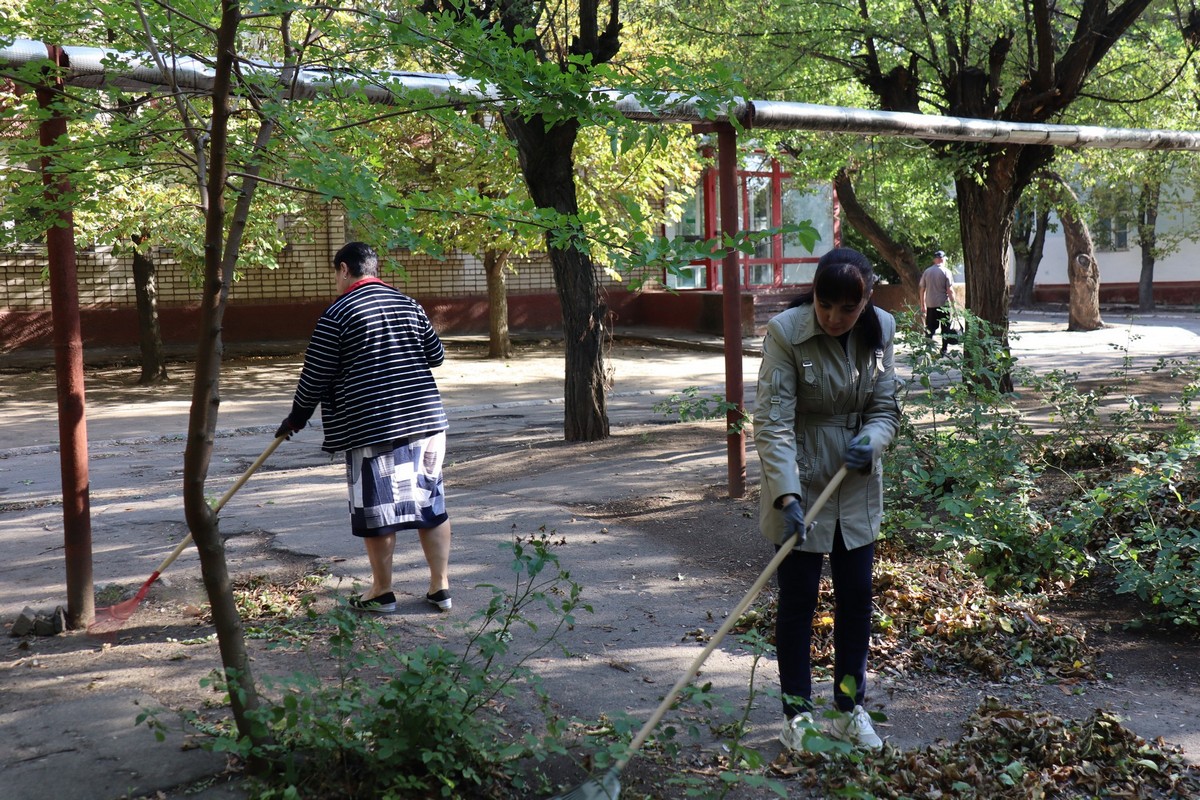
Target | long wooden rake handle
(730,621)
(179,548)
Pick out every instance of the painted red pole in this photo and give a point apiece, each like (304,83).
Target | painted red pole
(68,366)
(727,160)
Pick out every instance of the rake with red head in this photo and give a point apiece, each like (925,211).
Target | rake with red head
(112,618)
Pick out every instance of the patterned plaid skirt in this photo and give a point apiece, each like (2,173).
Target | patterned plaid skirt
(396,486)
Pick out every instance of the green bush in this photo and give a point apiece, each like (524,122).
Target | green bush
(689,405)
(961,466)
(1147,525)
(967,467)
(419,723)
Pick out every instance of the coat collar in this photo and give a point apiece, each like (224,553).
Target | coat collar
(805,326)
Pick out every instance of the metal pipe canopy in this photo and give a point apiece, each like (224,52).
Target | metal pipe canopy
(771,115)
(94,67)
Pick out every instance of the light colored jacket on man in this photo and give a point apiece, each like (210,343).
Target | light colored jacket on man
(813,398)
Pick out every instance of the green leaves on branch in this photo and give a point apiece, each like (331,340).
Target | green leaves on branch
(646,257)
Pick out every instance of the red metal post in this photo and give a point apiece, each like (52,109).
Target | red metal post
(727,161)
(68,365)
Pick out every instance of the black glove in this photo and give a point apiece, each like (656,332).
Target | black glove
(859,454)
(793,521)
(287,428)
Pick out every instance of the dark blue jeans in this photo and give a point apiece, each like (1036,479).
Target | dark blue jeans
(799,580)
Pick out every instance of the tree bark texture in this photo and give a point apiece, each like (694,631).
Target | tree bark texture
(145,286)
(1028,238)
(1148,240)
(899,255)
(499,343)
(1084,310)
(985,222)
(1083,271)
(548,166)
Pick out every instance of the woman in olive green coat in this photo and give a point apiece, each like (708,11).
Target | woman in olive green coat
(826,395)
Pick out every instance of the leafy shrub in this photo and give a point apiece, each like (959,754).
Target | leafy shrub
(689,405)
(967,466)
(1147,523)
(419,723)
(961,465)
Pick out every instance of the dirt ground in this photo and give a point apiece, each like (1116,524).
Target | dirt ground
(1151,678)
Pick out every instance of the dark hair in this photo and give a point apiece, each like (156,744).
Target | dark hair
(360,258)
(846,276)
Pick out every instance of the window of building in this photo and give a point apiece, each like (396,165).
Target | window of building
(690,227)
(768,197)
(1111,234)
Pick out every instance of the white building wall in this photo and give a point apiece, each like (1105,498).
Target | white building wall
(1125,266)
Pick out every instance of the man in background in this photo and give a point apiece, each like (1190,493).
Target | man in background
(937,296)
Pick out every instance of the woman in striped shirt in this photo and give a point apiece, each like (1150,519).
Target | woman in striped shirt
(368,365)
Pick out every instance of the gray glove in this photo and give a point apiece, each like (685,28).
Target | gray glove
(859,454)
(793,522)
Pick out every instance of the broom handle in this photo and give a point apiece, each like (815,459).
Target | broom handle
(730,621)
(179,548)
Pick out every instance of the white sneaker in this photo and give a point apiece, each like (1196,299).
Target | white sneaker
(855,728)
(795,729)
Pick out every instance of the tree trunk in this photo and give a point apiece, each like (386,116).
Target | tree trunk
(900,256)
(547,164)
(499,343)
(219,259)
(985,218)
(1029,244)
(1148,241)
(145,286)
(1083,272)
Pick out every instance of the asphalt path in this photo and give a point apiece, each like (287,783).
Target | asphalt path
(500,412)
(136,434)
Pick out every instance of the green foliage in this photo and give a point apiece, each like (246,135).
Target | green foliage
(968,466)
(689,405)
(417,723)
(1146,523)
(961,464)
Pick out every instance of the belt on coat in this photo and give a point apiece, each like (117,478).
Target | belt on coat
(853,420)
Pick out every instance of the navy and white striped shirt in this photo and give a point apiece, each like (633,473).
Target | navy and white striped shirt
(368,367)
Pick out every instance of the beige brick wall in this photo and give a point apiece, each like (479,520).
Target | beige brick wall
(304,273)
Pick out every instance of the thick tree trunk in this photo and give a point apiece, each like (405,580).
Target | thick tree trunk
(1083,312)
(1028,238)
(499,343)
(900,256)
(1083,272)
(1148,241)
(548,167)
(145,287)
(985,219)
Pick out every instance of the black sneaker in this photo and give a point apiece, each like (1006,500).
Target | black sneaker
(382,604)
(439,600)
